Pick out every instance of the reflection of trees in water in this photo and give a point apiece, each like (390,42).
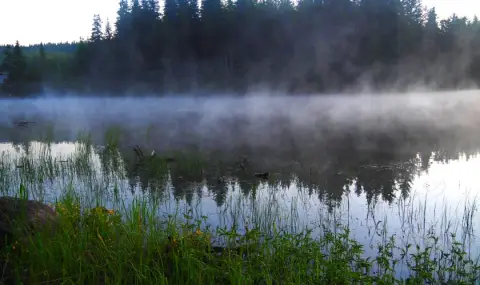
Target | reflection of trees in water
(384,168)
(323,162)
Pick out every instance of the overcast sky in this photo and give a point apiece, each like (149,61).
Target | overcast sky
(35,21)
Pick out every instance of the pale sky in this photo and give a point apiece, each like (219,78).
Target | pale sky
(35,21)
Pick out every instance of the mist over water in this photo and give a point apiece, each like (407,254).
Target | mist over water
(363,158)
(259,117)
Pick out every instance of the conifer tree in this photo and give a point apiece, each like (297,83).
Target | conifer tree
(97,34)
(108,31)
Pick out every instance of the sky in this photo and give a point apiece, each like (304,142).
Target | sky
(35,21)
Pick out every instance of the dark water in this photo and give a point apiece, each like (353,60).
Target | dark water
(404,163)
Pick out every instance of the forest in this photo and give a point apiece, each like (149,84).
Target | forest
(227,47)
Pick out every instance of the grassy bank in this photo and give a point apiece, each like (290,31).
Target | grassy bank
(128,242)
(101,246)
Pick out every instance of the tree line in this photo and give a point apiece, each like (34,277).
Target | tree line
(226,46)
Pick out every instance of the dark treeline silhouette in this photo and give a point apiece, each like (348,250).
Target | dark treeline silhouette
(227,46)
(65,47)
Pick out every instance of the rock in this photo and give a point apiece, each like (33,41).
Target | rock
(27,216)
(20,218)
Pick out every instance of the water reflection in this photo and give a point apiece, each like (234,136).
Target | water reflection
(328,159)
(378,155)
(337,169)
(361,190)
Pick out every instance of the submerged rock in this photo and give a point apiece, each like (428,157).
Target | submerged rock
(19,216)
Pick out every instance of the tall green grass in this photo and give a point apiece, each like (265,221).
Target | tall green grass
(108,236)
(98,246)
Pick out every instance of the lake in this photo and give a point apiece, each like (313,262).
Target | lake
(402,164)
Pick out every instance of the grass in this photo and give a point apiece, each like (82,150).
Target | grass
(108,236)
(99,246)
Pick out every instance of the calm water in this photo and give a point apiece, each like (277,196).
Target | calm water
(408,164)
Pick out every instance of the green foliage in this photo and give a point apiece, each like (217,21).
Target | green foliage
(102,246)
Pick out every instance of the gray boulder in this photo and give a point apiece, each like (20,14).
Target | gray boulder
(24,217)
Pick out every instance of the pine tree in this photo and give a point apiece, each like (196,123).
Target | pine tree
(16,67)
(81,60)
(19,59)
(135,6)
(5,65)
(42,68)
(108,31)
(413,10)
(211,11)
(41,50)
(431,33)
(97,33)
(122,24)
